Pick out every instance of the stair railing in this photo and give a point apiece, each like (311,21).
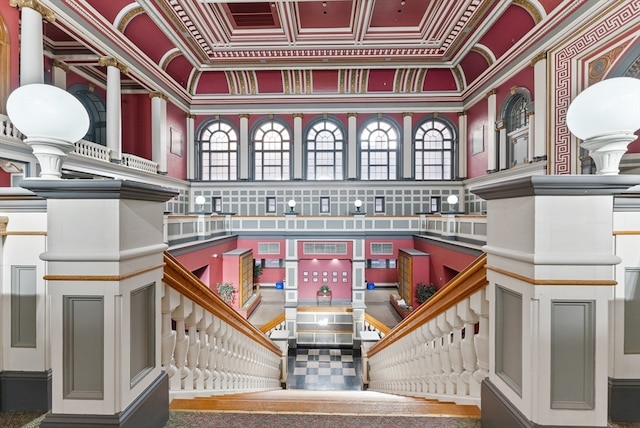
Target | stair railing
(207,347)
(441,350)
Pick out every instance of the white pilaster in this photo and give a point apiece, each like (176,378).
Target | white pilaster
(539,126)
(463,149)
(244,147)
(159,140)
(407,145)
(114,106)
(59,74)
(297,146)
(31,46)
(491,137)
(191,152)
(352,156)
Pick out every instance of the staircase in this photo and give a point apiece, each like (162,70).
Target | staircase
(325,326)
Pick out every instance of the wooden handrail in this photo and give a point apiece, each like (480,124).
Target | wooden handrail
(186,283)
(384,329)
(273,323)
(463,285)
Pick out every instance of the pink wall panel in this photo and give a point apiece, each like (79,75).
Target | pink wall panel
(136,125)
(177,130)
(269,81)
(381,80)
(514,23)
(212,82)
(333,272)
(477,124)
(324,81)
(439,79)
(211,257)
(180,69)
(473,64)
(444,263)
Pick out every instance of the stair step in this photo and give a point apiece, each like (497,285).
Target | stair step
(330,402)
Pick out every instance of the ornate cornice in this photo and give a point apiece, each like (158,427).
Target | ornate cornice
(35,5)
(529,8)
(112,62)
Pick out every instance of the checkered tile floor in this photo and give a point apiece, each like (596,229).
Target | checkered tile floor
(324,370)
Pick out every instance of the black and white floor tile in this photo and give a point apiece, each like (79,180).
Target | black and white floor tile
(324,370)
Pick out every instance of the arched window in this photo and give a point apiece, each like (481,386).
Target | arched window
(271,151)
(379,148)
(516,121)
(434,143)
(97,110)
(325,151)
(218,146)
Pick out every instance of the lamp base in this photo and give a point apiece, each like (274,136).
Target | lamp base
(607,151)
(50,153)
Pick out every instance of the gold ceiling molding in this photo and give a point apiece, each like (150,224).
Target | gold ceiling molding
(194,80)
(531,9)
(231,82)
(484,53)
(170,58)
(599,68)
(128,17)
(35,5)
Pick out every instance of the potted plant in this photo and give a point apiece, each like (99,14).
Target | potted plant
(227,292)
(324,289)
(424,292)
(257,271)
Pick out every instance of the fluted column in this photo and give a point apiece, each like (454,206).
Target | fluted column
(297,146)
(159,140)
(352,156)
(59,74)
(463,149)
(501,129)
(491,138)
(539,126)
(407,144)
(31,47)
(244,147)
(114,106)
(191,152)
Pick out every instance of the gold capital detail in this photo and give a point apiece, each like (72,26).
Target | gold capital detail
(407,113)
(61,65)
(352,114)
(300,115)
(112,62)
(35,5)
(243,115)
(539,57)
(156,94)
(492,92)
(462,113)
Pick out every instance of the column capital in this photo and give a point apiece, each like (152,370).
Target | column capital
(243,115)
(190,116)
(539,57)
(462,113)
(61,65)
(352,114)
(492,92)
(112,62)
(407,114)
(300,115)
(35,5)
(157,94)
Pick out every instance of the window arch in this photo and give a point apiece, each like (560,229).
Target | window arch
(379,150)
(97,110)
(217,141)
(515,118)
(325,145)
(271,151)
(434,149)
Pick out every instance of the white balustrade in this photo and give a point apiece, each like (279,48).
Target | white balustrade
(444,358)
(92,150)
(205,355)
(136,162)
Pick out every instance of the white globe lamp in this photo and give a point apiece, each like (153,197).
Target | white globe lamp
(292,205)
(52,120)
(605,116)
(358,204)
(200,200)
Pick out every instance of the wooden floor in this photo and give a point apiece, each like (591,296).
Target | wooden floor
(334,402)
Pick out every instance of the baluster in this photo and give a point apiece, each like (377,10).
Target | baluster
(170,300)
(455,351)
(469,359)
(203,352)
(182,341)
(436,357)
(445,357)
(480,306)
(194,346)
(214,354)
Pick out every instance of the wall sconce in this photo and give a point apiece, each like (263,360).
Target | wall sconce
(358,204)
(200,200)
(452,200)
(605,116)
(292,205)
(52,120)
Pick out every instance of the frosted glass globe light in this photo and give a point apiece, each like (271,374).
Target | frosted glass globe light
(358,204)
(605,116)
(452,199)
(200,200)
(51,119)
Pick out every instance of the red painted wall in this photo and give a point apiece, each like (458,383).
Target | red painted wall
(336,273)
(269,275)
(176,121)
(444,263)
(378,276)
(136,125)
(209,258)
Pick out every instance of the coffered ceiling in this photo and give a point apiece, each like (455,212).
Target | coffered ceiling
(207,52)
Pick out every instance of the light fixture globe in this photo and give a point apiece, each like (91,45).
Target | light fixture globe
(452,199)
(200,200)
(51,119)
(358,204)
(605,116)
(292,205)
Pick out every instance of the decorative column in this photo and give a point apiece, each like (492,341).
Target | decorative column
(31,50)
(463,149)
(191,143)
(550,267)
(539,142)
(244,147)
(114,106)
(352,156)
(501,144)
(105,287)
(159,140)
(297,146)
(59,72)
(407,145)
(491,137)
